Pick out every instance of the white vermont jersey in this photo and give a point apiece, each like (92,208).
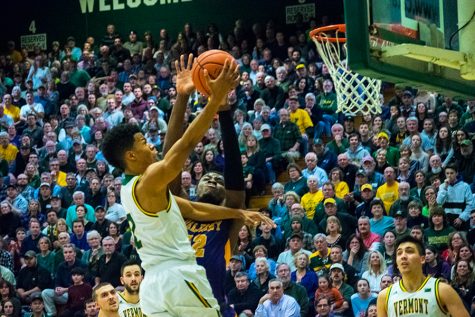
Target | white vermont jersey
(127,309)
(159,237)
(423,302)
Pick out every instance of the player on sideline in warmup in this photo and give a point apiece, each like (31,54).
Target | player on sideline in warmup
(129,300)
(209,238)
(156,217)
(416,294)
(106,299)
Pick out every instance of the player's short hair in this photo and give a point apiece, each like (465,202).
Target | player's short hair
(97,287)
(117,141)
(130,262)
(408,238)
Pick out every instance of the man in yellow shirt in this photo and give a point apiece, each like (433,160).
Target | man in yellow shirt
(389,191)
(7,150)
(58,176)
(299,116)
(302,119)
(312,198)
(10,109)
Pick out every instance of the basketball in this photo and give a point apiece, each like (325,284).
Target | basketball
(213,62)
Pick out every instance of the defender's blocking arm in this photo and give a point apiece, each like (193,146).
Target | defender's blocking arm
(207,212)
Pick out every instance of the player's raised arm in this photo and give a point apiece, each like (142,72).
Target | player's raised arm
(184,88)
(233,180)
(157,177)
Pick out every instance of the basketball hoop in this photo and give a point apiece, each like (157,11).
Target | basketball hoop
(356,94)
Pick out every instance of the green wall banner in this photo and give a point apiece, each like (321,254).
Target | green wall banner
(56,20)
(92,6)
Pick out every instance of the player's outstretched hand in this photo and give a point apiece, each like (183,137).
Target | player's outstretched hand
(254,218)
(184,82)
(228,79)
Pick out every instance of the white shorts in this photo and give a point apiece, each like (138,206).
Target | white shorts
(180,290)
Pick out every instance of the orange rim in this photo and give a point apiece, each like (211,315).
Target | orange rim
(316,34)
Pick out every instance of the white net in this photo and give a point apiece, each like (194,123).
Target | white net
(356,94)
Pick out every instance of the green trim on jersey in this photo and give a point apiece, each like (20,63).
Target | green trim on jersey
(127,178)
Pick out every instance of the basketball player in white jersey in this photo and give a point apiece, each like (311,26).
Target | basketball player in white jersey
(129,300)
(174,285)
(416,294)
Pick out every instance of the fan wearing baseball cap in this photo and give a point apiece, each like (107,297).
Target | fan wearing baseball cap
(32,279)
(295,245)
(37,306)
(392,153)
(375,178)
(338,277)
(270,148)
(348,222)
(366,196)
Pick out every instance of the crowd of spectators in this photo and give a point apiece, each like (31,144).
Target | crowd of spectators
(367,180)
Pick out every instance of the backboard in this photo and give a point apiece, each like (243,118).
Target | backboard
(427,44)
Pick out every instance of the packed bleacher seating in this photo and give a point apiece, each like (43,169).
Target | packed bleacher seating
(340,188)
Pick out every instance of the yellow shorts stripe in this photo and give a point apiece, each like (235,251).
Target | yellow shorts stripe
(197,294)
